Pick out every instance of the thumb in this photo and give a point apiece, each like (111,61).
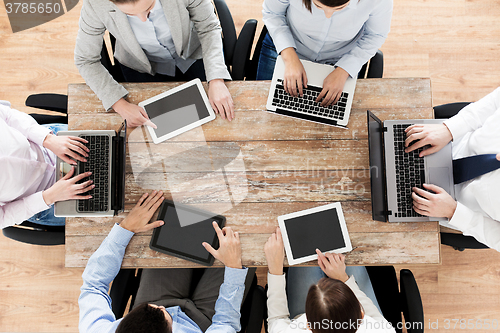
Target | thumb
(498,156)
(434,188)
(69,174)
(210,249)
(429,151)
(153,225)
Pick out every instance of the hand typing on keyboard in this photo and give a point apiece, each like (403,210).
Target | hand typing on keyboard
(68,148)
(333,86)
(437,204)
(68,188)
(434,135)
(295,74)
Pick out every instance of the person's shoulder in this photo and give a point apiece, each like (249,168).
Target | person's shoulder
(100,5)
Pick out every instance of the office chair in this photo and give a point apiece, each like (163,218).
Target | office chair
(115,69)
(457,241)
(126,283)
(374,68)
(236,49)
(393,300)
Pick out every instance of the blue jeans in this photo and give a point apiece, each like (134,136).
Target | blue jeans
(267,59)
(301,278)
(47,217)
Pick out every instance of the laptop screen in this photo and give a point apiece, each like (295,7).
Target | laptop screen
(377,168)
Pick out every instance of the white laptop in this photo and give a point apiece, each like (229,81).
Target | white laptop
(306,107)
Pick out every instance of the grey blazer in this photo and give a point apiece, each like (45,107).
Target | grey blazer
(195,30)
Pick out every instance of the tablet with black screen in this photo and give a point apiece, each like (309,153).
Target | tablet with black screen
(322,228)
(185,241)
(178,110)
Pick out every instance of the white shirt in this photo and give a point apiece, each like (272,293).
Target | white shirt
(156,40)
(475,130)
(348,39)
(279,317)
(27,167)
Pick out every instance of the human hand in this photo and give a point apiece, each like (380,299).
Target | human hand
(435,135)
(333,86)
(229,251)
(138,218)
(275,253)
(67,147)
(134,114)
(437,204)
(295,74)
(67,188)
(333,265)
(221,99)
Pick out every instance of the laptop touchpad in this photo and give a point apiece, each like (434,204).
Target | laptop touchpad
(440,177)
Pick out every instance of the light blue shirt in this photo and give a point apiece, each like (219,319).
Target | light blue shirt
(156,40)
(348,39)
(96,315)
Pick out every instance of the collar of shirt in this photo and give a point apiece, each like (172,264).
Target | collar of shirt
(181,322)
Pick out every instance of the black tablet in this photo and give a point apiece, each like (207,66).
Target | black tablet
(184,230)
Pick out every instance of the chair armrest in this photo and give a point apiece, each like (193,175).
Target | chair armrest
(38,236)
(446,111)
(413,310)
(461,242)
(51,102)
(241,56)
(376,68)
(256,304)
(228,30)
(124,285)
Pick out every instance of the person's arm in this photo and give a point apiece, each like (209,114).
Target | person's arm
(474,115)
(274,17)
(88,58)
(96,314)
(227,308)
(18,211)
(480,226)
(368,307)
(25,124)
(376,30)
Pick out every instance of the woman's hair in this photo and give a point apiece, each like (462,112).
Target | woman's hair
(120,2)
(144,319)
(332,307)
(328,3)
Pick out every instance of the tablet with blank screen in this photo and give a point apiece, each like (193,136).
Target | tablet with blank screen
(178,110)
(322,228)
(184,230)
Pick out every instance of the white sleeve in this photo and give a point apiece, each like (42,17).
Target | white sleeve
(278,317)
(24,123)
(474,115)
(483,228)
(17,211)
(368,307)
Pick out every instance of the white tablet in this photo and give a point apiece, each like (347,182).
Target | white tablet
(178,110)
(320,228)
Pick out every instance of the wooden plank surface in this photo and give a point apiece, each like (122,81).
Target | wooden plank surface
(273,165)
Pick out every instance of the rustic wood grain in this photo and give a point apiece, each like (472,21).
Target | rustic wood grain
(283,166)
(368,249)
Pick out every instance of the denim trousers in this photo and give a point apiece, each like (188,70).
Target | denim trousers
(47,217)
(267,59)
(301,278)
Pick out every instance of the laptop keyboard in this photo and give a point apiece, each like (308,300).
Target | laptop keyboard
(410,172)
(307,103)
(98,164)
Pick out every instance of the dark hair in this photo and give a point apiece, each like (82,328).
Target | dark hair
(144,319)
(334,301)
(328,3)
(121,2)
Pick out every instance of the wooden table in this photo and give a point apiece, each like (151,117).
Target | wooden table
(289,165)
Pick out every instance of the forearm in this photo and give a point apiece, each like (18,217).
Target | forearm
(273,14)
(277,305)
(17,211)
(368,307)
(102,268)
(24,123)
(483,228)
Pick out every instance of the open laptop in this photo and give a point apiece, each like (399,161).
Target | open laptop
(393,172)
(306,107)
(106,161)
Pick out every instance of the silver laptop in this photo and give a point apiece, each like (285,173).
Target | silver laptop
(306,107)
(106,161)
(393,172)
